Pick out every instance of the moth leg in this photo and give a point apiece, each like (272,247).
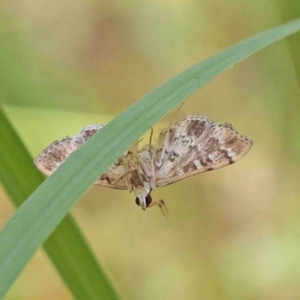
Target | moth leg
(161,204)
(140,172)
(122,176)
(176,113)
(159,163)
(113,171)
(135,148)
(150,141)
(106,178)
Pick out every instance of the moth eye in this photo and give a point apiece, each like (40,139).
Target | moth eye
(148,199)
(137,201)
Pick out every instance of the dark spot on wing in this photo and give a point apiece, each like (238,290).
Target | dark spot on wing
(231,142)
(211,145)
(203,161)
(196,127)
(189,168)
(227,156)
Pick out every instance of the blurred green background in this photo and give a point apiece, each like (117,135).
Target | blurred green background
(231,234)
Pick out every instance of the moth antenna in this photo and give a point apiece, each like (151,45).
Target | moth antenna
(176,113)
(121,177)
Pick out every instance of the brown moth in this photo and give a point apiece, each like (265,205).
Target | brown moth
(191,146)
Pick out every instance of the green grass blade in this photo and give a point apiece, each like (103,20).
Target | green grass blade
(66,247)
(46,207)
(290,9)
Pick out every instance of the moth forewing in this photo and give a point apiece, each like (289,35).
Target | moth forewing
(56,153)
(201,146)
(178,140)
(88,131)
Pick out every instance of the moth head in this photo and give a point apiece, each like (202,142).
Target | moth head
(143,202)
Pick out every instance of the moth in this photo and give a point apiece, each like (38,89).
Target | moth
(189,147)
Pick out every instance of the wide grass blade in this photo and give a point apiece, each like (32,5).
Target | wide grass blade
(46,207)
(66,247)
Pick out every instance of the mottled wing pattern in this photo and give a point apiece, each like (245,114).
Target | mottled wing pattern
(88,131)
(56,154)
(218,146)
(177,141)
